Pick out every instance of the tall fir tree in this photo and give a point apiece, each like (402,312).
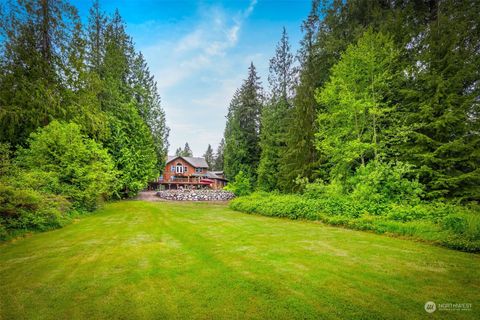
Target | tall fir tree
(130,142)
(178,152)
(300,157)
(96,28)
(242,132)
(438,98)
(149,107)
(37,36)
(209,157)
(218,163)
(274,115)
(186,151)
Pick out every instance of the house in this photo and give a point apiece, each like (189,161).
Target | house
(189,172)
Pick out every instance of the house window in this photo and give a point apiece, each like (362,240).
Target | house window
(198,170)
(172,168)
(179,168)
(185,169)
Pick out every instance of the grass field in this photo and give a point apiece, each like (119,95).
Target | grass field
(146,260)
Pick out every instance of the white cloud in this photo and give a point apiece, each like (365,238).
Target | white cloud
(215,33)
(197,77)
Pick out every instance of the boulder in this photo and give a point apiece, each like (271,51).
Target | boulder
(196,195)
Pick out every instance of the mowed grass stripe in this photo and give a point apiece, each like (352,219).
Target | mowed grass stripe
(147,260)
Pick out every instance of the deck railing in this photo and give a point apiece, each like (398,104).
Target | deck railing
(180,180)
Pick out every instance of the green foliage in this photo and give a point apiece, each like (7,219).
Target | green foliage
(274,120)
(218,163)
(131,145)
(355,104)
(242,149)
(149,107)
(449,225)
(300,156)
(23,206)
(185,152)
(241,186)
(37,37)
(209,157)
(28,209)
(67,163)
(439,103)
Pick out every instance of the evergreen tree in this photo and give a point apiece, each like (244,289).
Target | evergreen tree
(218,164)
(130,142)
(242,150)
(115,70)
(187,152)
(178,152)
(131,146)
(36,40)
(148,104)
(97,23)
(300,157)
(209,157)
(274,115)
(439,109)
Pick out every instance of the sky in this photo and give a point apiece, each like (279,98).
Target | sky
(199,53)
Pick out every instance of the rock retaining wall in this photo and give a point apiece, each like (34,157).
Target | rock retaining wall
(196,195)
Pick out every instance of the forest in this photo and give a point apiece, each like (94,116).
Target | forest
(373,124)
(80,116)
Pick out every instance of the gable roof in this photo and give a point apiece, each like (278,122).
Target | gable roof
(214,175)
(197,162)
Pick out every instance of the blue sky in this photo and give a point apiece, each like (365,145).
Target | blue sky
(199,52)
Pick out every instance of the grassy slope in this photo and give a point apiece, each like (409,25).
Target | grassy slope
(198,260)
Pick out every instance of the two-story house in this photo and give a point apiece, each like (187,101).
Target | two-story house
(190,172)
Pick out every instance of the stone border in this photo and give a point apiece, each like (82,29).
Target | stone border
(195,195)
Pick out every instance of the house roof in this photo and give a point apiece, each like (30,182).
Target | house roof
(209,175)
(213,175)
(197,162)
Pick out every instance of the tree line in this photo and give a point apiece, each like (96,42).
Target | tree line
(375,84)
(80,115)
(55,68)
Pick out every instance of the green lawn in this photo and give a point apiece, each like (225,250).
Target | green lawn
(146,260)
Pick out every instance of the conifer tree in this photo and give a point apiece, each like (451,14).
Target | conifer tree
(300,157)
(97,23)
(148,104)
(439,96)
(242,132)
(36,39)
(218,164)
(186,152)
(209,157)
(274,116)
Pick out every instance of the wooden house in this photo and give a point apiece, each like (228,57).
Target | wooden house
(189,173)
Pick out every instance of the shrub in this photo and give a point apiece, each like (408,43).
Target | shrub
(241,185)
(447,224)
(62,161)
(27,209)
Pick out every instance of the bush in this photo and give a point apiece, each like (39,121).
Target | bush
(27,209)
(447,224)
(241,185)
(384,182)
(62,161)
